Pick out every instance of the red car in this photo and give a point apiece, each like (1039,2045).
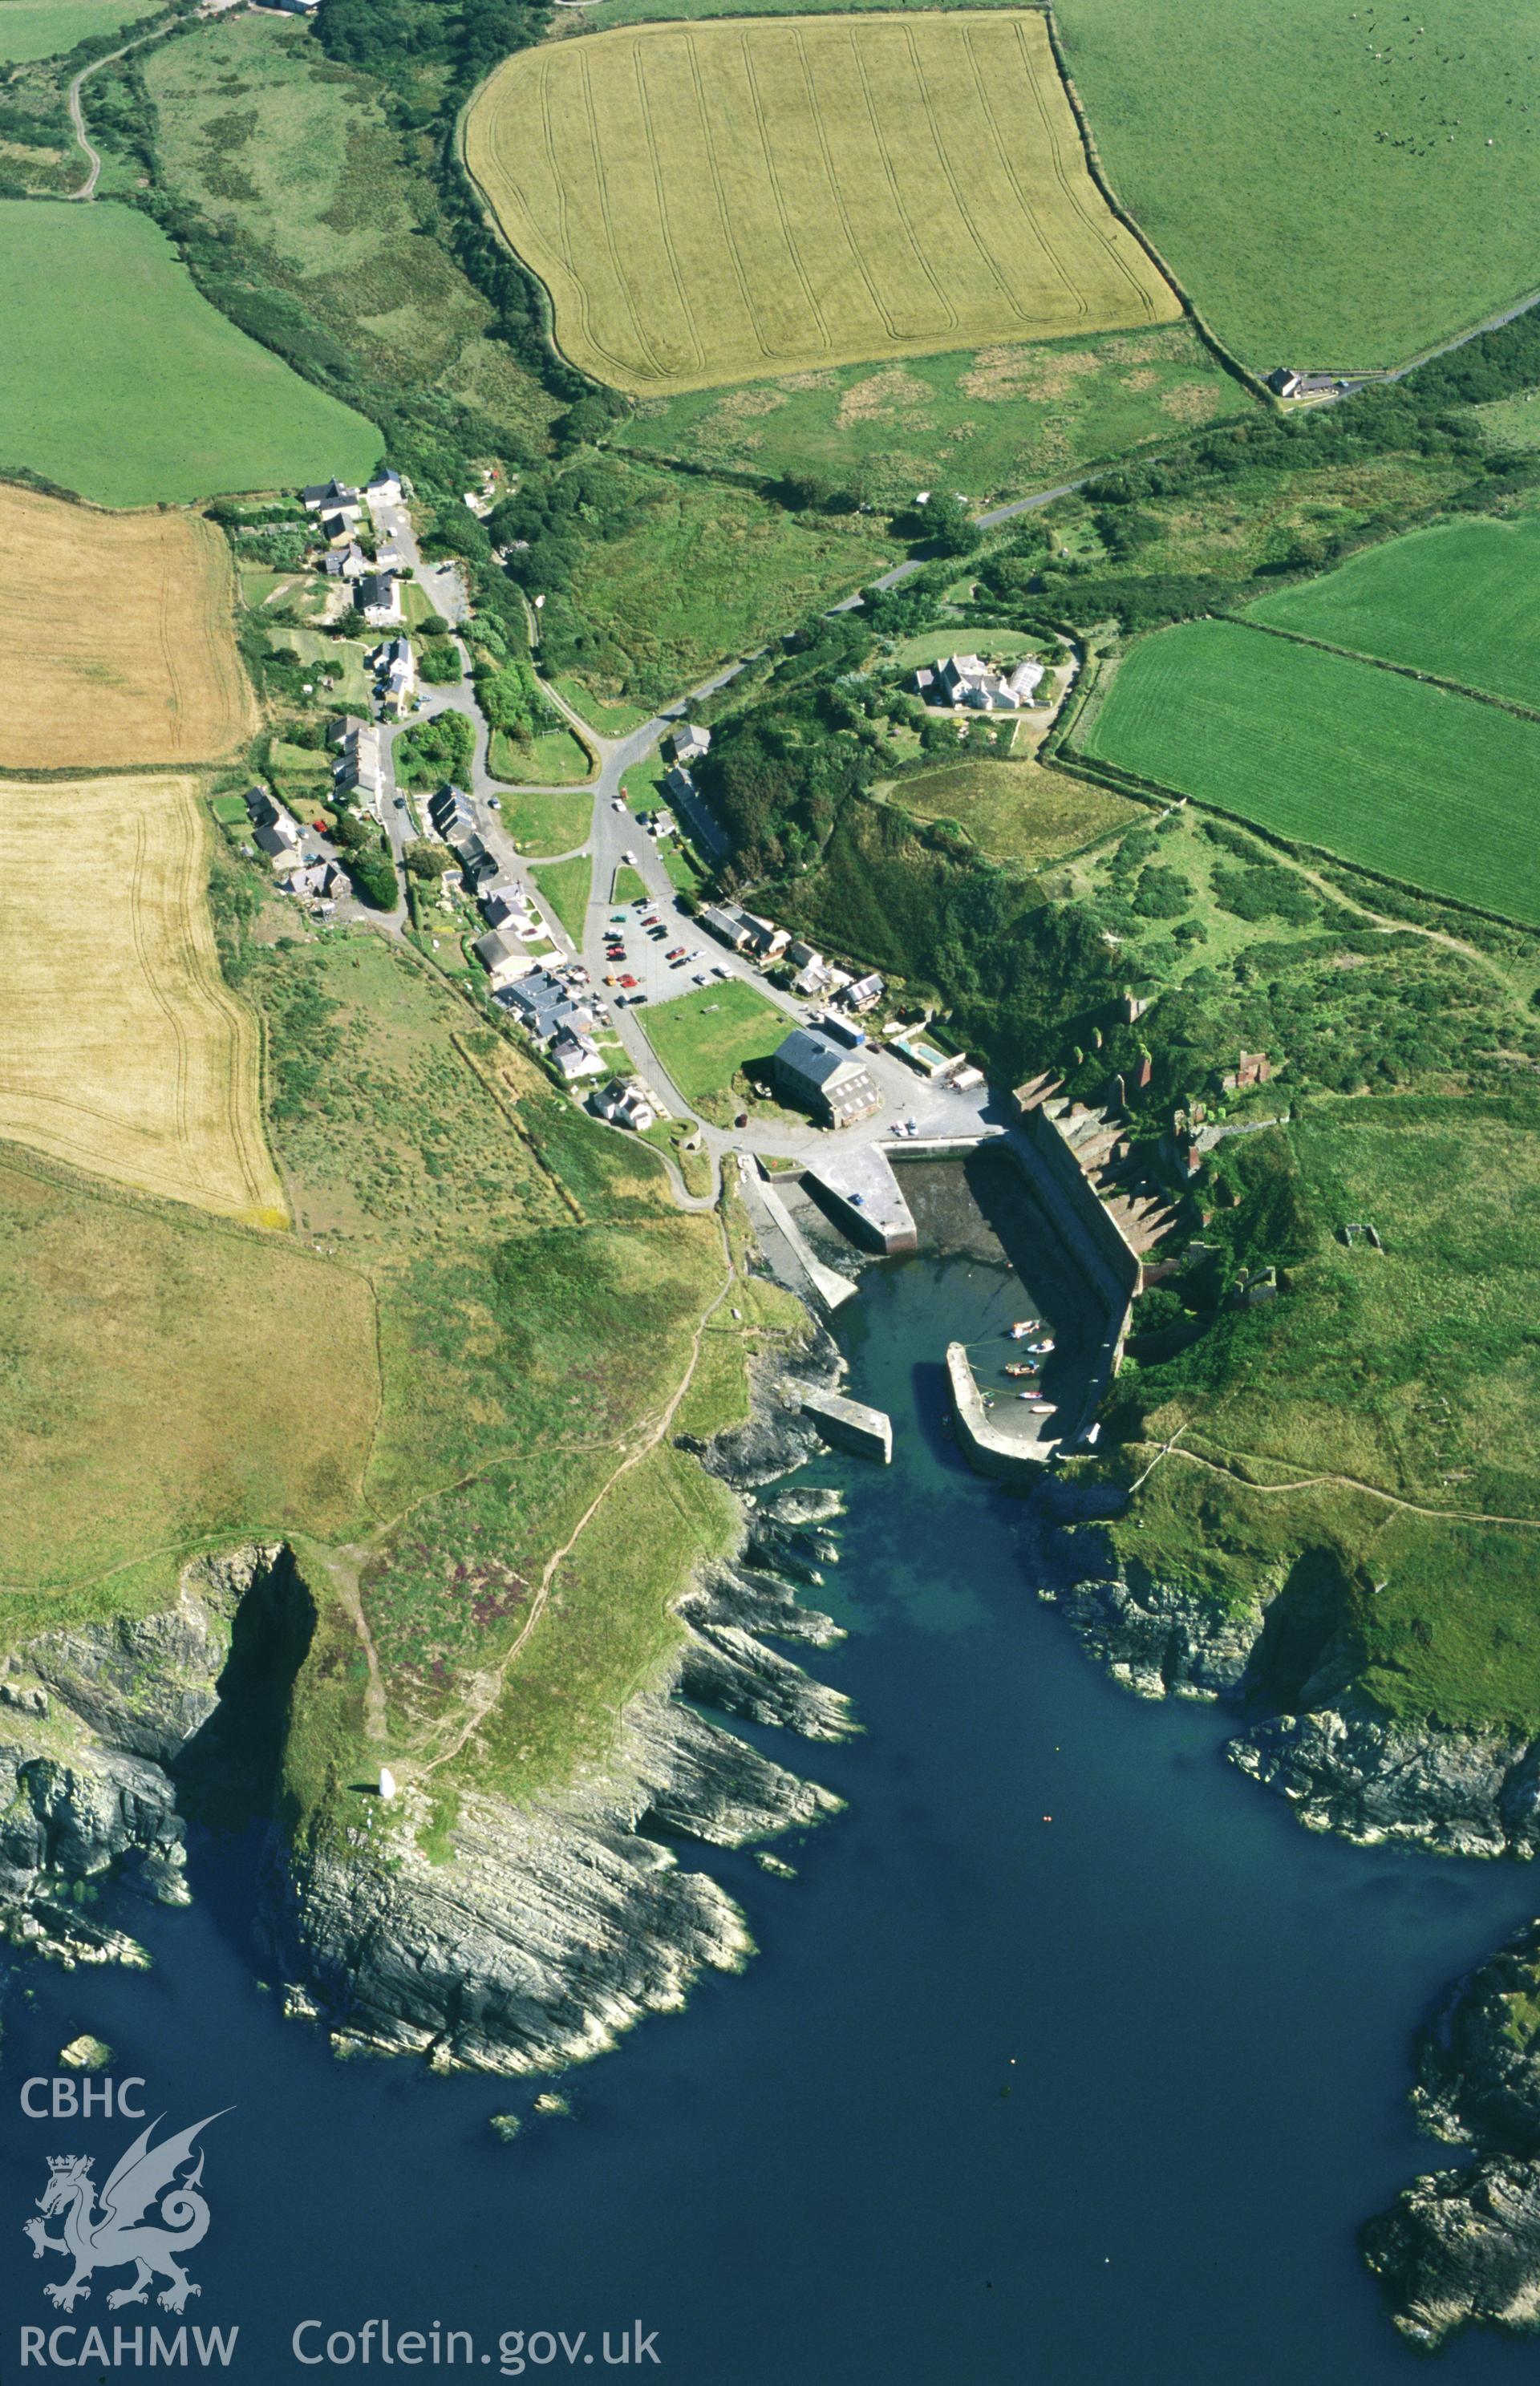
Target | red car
(676,953)
(628,981)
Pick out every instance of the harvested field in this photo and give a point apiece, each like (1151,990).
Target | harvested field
(152,676)
(717,202)
(121,1048)
(1390,773)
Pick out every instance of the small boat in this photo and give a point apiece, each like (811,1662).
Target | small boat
(1039,1399)
(1041,1347)
(1023,1326)
(1022,1367)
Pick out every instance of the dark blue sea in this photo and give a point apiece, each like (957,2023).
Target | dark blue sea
(1067,2056)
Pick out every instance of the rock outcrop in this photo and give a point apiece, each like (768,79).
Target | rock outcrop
(94,1726)
(1158,1642)
(1355,1771)
(1460,2246)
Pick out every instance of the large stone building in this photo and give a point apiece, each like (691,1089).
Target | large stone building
(826,1078)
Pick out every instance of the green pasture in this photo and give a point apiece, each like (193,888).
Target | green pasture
(994,423)
(615,720)
(1334,189)
(1461,600)
(45,29)
(119,382)
(1387,772)
(265,134)
(339,664)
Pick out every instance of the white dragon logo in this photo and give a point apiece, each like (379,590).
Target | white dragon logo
(116,2235)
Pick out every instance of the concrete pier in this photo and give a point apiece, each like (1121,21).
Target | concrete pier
(850,1424)
(1018,1456)
(861,1191)
(786,1249)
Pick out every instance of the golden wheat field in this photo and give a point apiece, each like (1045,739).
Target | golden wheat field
(121,1048)
(118,638)
(717,202)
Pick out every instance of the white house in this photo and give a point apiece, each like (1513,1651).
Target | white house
(690,744)
(503,957)
(397,667)
(967,680)
(378,598)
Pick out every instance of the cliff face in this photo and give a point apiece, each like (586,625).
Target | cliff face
(552,1930)
(547,1931)
(95,1728)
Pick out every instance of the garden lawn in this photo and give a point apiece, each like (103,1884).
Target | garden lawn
(1461,600)
(1334,189)
(119,382)
(1398,777)
(702,1037)
(565,885)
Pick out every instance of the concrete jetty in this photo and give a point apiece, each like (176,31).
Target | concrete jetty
(791,1256)
(860,1187)
(850,1424)
(1019,1455)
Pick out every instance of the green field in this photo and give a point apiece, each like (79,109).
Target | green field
(1461,600)
(564,886)
(338,663)
(1016,812)
(994,422)
(610,720)
(120,383)
(44,29)
(554,759)
(1298,174)
(803,195)
(270,137)
(1399,776)
(546,823)
(704,1036)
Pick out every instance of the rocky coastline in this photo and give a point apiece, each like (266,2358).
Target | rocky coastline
(1459,2245)
(547,1930)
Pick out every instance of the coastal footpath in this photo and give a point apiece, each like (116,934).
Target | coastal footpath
(532,1938)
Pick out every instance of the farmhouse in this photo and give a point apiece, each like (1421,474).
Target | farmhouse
(824,1078)
(690,744)
(278,838)
(385,489)
(327,496)
(451,815)
(969,681)
(862,994)
(508,906)
(345,562)
(763,938)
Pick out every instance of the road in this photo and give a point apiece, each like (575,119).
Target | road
(77,114)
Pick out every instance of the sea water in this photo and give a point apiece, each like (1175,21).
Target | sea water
(1066,2056)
